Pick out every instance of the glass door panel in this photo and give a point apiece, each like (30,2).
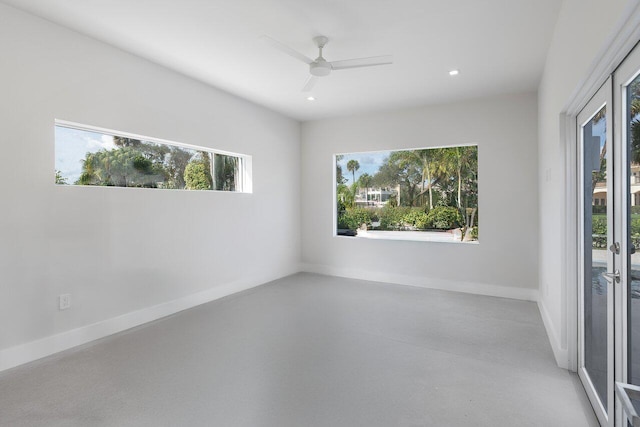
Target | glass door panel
(632,123)
(626,92)
(595,232)
(609,241)
(596,259)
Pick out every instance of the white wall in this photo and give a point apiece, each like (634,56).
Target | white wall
(584,27)
(503,263)
(118,251)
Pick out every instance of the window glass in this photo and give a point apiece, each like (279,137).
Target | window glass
(97,158)
(428,194)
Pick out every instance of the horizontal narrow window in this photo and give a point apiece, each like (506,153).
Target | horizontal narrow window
(428,194)
(97,157)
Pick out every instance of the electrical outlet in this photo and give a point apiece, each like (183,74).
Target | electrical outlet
(64,301)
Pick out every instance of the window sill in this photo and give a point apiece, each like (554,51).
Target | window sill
(413,236)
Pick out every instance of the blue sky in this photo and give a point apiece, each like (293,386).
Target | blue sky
(600,129)
(72,145)
(370,162)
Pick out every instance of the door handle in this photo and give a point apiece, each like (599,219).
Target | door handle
(613,277)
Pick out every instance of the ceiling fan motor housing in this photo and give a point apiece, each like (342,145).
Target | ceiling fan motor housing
(320,68)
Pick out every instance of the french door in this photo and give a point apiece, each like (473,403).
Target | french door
(608,134)
(597,266)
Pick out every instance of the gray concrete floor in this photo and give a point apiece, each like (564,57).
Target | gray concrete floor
(311,350)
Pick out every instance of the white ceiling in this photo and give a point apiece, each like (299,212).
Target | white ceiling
(498,45)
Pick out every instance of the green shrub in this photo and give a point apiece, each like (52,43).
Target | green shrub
(599,225)
(635,227)
(375,214)
(416,217)
(474,233)
(391,217)
(353,218)
(341,207)
(599,231)
(444,218)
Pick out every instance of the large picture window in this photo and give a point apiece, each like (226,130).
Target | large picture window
(428,194)
(97,157)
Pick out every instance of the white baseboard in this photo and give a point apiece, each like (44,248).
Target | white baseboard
(561,354)
(425,282)
(28,352)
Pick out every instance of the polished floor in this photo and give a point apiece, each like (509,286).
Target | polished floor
(311,350)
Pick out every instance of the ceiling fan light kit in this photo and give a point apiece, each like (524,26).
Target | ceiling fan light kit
(320,67)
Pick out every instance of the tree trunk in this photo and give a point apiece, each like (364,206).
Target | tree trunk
(469,220)
(460,187)
(429,186)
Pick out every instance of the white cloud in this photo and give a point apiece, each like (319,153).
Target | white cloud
(97,144)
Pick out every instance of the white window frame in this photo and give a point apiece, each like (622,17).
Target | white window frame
(400,237)
(245,179)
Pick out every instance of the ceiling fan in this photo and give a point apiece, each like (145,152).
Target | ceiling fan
(320,67)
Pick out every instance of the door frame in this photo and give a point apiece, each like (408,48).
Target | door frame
(564,338)
(628,70)
(602,98)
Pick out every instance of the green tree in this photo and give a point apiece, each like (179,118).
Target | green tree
(225,170)
(123,167)
(175,164)
(427,161)
(387,174)
(197,174)
(464,162)
(634,112)
(60,179)
(365,181)
(400,169)
(345,195)
(353,166)
(340,179)
(121,141)
(635,143)
(89,174)
(601,174)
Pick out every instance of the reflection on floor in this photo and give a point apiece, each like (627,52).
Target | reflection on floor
(311,350)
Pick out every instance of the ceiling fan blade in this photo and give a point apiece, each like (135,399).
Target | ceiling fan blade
(311,82)
(362,62)
(286,49)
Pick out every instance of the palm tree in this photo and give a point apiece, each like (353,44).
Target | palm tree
(339,178)
(365,181)
(464,160)
(60,179)
(353,166)
(89,174)
(634,110)
(424,159)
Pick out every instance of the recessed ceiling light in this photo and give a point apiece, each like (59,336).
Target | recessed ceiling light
(310,98)
(454,72)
